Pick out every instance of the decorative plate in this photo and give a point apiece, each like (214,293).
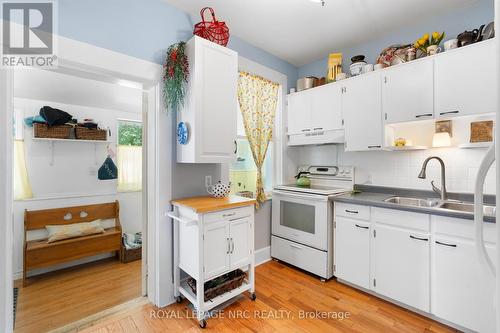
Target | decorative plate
(182,133)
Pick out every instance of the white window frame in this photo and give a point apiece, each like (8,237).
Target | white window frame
(278,143)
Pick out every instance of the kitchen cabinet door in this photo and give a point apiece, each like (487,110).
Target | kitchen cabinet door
(210,105)
(239,241)
(362,110)
(401,266)
(462,292)
(299,112)
(216,247)
(408,91)
(352,251)
(465,80)
(326,107)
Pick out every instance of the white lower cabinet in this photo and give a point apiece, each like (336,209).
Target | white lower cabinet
(426,262)
(216,248)
(239,247)
(401,266)
(462,291)
(352,250)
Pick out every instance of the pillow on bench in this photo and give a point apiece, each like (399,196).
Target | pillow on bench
(60,232)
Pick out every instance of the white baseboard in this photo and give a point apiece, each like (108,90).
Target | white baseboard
(262,255)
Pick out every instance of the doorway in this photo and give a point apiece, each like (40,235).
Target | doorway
(53,174)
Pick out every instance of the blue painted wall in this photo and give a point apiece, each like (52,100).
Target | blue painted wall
(144,29)
(452,22)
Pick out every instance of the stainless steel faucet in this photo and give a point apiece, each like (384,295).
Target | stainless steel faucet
(421,175)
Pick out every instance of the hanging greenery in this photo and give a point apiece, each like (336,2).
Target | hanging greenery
(175,77)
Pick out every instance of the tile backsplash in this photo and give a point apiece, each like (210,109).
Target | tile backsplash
(401,168)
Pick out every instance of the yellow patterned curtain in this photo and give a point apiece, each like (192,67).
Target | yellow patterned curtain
(258,98)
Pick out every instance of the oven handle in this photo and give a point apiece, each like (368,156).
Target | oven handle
(290,194)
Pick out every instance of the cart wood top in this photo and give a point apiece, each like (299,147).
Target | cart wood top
(207,204)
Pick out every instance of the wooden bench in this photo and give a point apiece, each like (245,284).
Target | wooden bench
(39,253)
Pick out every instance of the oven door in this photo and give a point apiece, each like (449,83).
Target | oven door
(302,218)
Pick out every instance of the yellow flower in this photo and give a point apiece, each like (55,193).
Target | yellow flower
(425,37)
(417,44)
(436,35)
(422,41)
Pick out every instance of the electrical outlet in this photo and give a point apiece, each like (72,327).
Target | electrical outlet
(208,181)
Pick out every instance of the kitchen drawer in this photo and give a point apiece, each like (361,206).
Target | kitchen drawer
(352,211)
(401,218)
(228,214)
(450,226)
(307,258)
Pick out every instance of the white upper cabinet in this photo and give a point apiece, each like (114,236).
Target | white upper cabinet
(362,110)
(465,80)
(299,112)
(210,105)
(407,91)
(326,108)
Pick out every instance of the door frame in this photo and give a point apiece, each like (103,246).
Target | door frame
(88,61)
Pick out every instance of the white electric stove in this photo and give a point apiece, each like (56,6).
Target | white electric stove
(302,218)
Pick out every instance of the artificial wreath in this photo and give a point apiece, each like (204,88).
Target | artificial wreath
(175,77)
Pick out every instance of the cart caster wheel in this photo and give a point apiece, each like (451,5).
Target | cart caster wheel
(253,296)
(178,299)
(202,323)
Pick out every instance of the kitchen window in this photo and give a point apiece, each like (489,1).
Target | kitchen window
(129,156)
(243,172)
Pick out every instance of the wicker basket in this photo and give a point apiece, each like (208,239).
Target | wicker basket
(220,285)
(51,132)
(130,255)
(83,133)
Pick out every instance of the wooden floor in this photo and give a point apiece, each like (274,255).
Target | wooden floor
(282,293)
(55,299)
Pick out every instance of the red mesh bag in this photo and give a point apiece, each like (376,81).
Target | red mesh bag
(214,31)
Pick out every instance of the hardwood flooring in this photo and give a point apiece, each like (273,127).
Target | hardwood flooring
(283,293)
(55,299)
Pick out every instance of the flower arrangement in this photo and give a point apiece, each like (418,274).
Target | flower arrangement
(425,41)
(175,76)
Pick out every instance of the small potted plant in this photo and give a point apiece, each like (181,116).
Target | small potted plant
(429,45)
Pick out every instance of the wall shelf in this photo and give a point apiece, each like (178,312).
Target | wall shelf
(475,145)
(70,140)
(405,148)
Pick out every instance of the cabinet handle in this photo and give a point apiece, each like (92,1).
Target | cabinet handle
(232,245)
(235,147)
(228,215)
(418,238)
(449,112)
(306,130)
(371,147)
(228,246)
(423,115)
(362,227)
(317,128)
(445,244)
(351,211)
(296,246)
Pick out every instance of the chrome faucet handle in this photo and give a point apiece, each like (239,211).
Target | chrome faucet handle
(435,189)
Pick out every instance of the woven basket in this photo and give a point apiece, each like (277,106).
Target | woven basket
(51,132)
(215,31)
(220,285)
(83,133)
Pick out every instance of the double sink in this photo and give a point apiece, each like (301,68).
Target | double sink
(448,205)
